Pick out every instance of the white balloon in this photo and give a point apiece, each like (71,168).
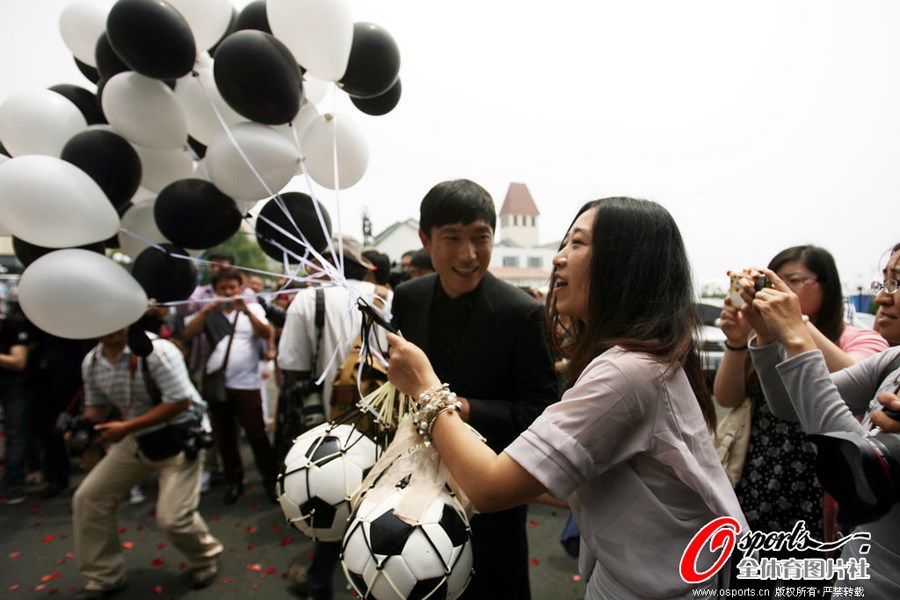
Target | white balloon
(159,168)
(319,33)
(201,171)
(314,89)
(318,145)
(208,19)
(144,111)
(79,294)
(139,229)
(142,195)
(199,97)
(81,24)
(38,122)
(293,131)
(271,156)
(52,203)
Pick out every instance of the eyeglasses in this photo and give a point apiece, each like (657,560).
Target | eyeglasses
(796,282)
(889,286)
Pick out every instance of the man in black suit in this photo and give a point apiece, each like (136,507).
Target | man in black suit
(488,340)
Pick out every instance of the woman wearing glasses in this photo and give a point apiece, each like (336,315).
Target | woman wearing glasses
(778,486)
(887,320)
(798,387)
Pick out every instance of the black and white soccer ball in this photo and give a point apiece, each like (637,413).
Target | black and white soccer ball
(386,558)
(322,470)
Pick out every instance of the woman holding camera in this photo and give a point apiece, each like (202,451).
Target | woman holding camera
(778,486)
(795,376)
(235,330)
(629,443)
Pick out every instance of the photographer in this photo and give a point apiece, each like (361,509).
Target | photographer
(798,387)
(155,398)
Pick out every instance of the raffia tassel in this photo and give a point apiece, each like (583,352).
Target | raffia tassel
(387,404)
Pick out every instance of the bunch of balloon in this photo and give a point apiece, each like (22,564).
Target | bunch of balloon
(197,113)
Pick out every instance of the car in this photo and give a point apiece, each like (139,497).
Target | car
(710,339)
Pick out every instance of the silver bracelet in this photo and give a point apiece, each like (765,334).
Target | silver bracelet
(432,402)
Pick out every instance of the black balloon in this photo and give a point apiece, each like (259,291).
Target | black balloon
(296,216)
(379,105)
(27,252)
(258,77)
(374,62)
(85,100)
(193,213)
(110,161)
(164,276)
(138,340)
(253,16)
(109,63)
(90,73)
(152,38)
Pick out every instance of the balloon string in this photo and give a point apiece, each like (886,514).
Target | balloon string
(269,192)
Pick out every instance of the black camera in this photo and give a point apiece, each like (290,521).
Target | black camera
(862,472)
(197,439)
(80,430)
(761,282)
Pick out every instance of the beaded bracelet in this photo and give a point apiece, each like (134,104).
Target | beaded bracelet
(432,402)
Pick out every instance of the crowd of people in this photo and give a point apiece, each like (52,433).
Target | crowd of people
(588,395)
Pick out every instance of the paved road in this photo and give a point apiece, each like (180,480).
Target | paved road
(37,559)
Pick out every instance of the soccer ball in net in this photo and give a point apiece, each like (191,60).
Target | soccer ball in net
(321,472)
(386,558)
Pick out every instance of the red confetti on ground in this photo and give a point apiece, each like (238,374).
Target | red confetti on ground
(70,555)
(157,562)
(182,566)
(157,589)
(255,586)
(286,540)
(226,580)
(576,577)
(128,545)
(14,587)
(15,554)
(271,570)
(60,561)
(534,561)
(50,576)
(160,545)
(40,587)
(122,530)
(251,547)
(532,523)
(276,527)
(309,556)
(251,529)
(254,567)
(284,575)
(52,591)
(48,538)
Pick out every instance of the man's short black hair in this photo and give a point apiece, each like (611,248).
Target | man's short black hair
(457,201)
(220,255)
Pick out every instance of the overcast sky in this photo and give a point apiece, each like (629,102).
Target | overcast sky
(758,125)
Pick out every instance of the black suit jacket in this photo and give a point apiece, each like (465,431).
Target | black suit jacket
(504,368)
